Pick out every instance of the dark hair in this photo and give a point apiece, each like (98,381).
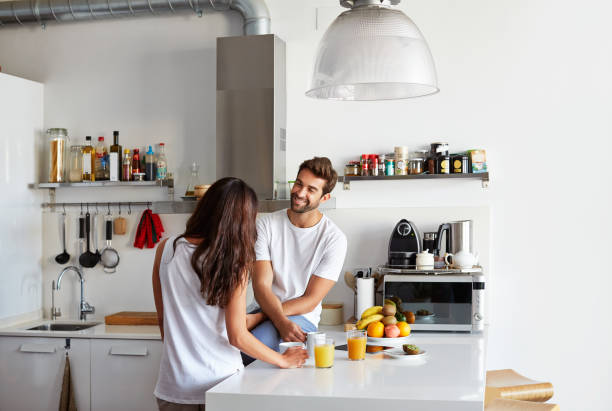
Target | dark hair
(322,168)
(224,219)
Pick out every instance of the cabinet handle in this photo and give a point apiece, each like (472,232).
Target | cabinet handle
(129,350)
(38,348)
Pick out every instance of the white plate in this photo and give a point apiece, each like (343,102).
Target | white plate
(388,342)
(399,353)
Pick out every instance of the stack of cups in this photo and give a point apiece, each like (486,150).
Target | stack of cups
(402,154)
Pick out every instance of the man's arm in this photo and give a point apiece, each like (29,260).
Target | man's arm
(278,312)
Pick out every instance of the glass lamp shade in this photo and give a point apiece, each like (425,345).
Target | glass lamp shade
(373,52)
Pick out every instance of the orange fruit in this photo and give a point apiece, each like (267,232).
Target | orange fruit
(376,329)
(392,331)
(404,328)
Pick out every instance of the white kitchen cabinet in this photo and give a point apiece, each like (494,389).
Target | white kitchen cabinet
(123,374)
(32,371)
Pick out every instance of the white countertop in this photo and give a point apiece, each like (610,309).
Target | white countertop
(101,330)
(451,378)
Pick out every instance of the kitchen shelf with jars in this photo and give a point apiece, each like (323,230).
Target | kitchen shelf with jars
(87,166)
(435,163)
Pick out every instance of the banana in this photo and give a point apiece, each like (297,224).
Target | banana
(377,309)
(362,324)
(388,301)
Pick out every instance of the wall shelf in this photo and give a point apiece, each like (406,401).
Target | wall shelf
(265,206)
(483,177)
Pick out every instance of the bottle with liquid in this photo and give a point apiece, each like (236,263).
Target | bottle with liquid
(162,164)
(193,180)
(127,166)
(89,160)
(135,163)
(150,165)
(101,165)
(115,159)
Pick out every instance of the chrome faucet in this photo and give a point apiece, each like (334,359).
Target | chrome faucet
(84,307)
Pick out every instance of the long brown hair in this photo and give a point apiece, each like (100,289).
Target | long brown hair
(224,220)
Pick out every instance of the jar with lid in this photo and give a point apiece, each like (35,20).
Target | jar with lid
(75,163)
(417,165)
(365,165)
(58,150)
(374,164)
(443,164)
(460,164)
(351,169)
(390,166)
(382,158)
(401,160)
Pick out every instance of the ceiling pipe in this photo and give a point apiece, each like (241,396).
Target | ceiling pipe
(254,12)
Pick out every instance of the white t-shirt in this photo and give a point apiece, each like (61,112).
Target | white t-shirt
(297,253)
(196,353)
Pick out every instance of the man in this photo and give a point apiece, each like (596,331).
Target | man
(299,256)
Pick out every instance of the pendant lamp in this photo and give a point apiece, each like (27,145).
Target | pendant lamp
(373,51)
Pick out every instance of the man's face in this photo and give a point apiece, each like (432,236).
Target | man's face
(307,192)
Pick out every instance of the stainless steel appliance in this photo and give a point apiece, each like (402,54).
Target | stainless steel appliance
(459,236)
(405,243)
(449,300)
(251,113)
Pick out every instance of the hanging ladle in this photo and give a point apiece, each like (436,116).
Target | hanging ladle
(88,259)
(64,257)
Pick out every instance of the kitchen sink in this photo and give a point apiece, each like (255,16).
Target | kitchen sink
(63,327)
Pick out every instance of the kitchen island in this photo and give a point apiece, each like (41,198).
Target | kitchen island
(452,377)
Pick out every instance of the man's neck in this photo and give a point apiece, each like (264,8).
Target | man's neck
(304,220)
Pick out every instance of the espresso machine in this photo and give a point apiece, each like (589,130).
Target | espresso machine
(405,243)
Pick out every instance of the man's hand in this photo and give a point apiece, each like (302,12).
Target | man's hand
(290,331)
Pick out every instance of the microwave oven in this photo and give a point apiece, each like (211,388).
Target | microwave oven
(440,302)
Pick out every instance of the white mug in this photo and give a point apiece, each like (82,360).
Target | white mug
(311,340)
(284,346)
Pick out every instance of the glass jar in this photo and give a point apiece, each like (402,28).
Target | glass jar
(75,175)
(443,164)
(352,169)
(58,149)
(417,165)
(460,164)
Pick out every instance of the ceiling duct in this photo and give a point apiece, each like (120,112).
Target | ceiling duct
(255,12)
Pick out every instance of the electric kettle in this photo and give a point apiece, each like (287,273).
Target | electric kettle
(459,236)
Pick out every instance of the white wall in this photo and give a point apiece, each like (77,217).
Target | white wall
(21,114)
(527,80)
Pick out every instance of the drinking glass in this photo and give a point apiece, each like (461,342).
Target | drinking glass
(356,341)
(324,353)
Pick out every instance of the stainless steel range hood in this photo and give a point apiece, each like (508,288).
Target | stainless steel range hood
(251,113)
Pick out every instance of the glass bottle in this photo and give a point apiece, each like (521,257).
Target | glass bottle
(89,160)
(127,166)
(115,159)
(135,163)
(193,180)
(101,165)
(162,164)
(150,165)
(58,148)
(75,174)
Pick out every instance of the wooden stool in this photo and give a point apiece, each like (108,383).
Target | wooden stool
(513,405)
(510,385)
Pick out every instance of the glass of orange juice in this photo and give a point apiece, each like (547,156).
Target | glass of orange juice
(324,353)
(356,341)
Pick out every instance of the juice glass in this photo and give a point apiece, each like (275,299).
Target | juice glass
(356,341)
(324,353)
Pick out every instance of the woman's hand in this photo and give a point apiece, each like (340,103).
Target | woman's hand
(294,357)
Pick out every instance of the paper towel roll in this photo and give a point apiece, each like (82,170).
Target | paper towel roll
(364,295)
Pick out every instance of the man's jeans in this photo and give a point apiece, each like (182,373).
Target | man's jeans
(267,333)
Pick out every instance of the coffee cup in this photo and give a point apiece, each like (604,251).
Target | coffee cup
(284,346)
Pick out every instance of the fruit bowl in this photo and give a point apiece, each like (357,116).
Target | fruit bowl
(388,342)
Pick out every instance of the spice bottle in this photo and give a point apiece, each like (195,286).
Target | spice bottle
(162,164)
(126,174)
(135,163)
(150,165)
(89,160)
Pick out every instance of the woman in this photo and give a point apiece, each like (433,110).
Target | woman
(199,285)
